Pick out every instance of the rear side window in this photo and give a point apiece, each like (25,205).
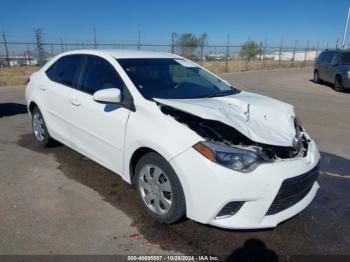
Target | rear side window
(65,70)
(345,58)
(329,57)
(99,74)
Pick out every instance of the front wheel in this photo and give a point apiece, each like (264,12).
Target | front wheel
(159,189)
(338,84)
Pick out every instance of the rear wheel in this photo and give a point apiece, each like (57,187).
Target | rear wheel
(338,84)
(316,77)
(40,131)
(159,189)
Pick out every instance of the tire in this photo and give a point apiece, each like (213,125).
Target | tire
(159,189)
(338,84)
(316,77)
(41,134)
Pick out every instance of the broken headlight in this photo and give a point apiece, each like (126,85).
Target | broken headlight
(238,159)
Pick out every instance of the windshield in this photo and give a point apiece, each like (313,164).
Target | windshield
(173,79)
(345,58)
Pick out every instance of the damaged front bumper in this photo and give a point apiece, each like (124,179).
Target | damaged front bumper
(209,188)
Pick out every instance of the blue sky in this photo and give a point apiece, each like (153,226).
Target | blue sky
(119,21)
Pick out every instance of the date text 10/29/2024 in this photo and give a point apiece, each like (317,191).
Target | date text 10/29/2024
(172,258)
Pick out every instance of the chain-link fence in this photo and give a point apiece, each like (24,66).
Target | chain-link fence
(217,58)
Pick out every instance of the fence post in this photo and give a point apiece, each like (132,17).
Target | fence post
(264,53)
(294,49)
(280,54)
(173,35)
(62,49)
(202,47)
(7,52)
(139,41)
(95,41)
(306,50)
(227,53)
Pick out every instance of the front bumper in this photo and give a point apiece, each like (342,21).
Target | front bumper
(208,187)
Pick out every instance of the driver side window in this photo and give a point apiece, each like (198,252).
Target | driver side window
(181,74)
(99,74)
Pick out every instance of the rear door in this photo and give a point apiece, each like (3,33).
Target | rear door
(322,65)
(332,69)
(329,67)
(62,76)
(98,129)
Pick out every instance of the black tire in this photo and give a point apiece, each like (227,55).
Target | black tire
(317,77)
(46,140)
(338,84)
(177,209)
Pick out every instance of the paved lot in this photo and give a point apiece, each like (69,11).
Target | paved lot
(55,201)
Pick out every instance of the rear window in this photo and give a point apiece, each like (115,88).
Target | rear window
(65,69)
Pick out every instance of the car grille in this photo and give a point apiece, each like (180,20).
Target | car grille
(293,190)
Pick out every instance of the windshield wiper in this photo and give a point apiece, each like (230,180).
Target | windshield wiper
(221,93)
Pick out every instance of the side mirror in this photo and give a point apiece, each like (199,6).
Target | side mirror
(109,95)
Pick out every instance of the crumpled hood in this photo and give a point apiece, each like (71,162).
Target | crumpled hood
(260,118)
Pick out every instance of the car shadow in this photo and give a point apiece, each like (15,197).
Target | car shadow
(346,91)
(253,250)
(11,109)
(334,164)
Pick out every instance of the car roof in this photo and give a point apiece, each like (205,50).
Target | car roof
(337,50)
(117,53)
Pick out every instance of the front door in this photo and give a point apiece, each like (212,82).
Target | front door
(98,129)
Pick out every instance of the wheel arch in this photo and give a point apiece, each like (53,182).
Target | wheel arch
(31,107)
(338,75)
(136,156)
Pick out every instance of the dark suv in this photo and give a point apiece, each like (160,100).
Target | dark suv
(333,66)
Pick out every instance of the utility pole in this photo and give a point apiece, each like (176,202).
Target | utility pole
(95,43)
(7,52)
(139,41)
(345,29)
(39,46)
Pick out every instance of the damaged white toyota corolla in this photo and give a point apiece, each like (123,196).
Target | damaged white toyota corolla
(192,144)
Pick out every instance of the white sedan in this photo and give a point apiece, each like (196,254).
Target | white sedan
(191,144)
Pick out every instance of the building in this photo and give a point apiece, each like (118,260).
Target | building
(298,55)
(18,60)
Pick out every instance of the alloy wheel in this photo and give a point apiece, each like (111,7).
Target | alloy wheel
(39,127)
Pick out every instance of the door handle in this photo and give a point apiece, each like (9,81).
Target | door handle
(43,88)
(75,102)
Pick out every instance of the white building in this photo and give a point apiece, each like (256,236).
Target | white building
(298,55)
(19,60)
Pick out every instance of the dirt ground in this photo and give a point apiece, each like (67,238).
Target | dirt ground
(55,201)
